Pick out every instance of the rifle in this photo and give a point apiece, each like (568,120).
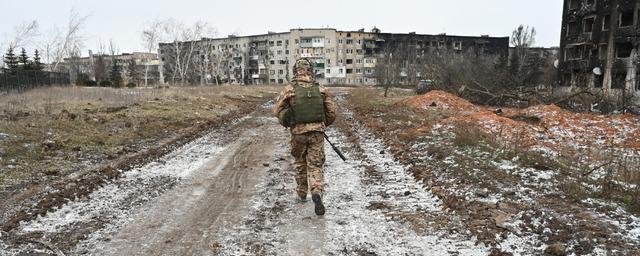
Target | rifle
(335,148)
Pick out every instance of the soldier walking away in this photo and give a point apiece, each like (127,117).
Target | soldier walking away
(306,109)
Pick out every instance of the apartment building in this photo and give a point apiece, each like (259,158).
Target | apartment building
(599,46)
(340,57)
(98,67)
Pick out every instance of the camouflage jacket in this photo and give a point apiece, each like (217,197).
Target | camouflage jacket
(287,99)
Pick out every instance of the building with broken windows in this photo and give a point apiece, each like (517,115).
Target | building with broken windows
(340,57)
(599,47)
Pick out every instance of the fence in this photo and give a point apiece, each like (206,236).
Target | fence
(22,80)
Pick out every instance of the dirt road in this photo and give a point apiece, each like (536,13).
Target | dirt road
(231,193)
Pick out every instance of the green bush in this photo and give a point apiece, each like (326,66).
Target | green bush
(105,84)
(131,85)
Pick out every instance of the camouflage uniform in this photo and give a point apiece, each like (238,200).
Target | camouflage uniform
(307,140)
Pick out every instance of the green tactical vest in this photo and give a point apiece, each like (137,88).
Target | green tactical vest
(309,105)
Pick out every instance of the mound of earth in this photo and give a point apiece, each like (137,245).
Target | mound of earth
(548,126)
(441,100)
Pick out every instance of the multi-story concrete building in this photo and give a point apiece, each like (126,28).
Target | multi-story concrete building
(340,57)
(98,67)
(599,46)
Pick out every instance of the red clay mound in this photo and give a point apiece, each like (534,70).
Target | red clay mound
(442,100)
(556,128)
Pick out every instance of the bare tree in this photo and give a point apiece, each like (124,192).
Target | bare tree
(150,38)
(522,38)
(24,34)
(183,45)
(205,49)
(62,44)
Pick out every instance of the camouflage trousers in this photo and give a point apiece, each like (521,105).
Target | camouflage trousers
(308,151)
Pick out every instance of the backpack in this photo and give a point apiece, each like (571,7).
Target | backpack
(309,104)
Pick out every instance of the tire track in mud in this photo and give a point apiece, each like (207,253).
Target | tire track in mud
(240,200)
(94,219)
(368,198)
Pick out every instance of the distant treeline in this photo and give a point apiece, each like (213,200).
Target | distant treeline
(22,73)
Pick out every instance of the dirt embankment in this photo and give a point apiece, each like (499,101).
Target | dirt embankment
(82,138)
(505,173)
(546,126)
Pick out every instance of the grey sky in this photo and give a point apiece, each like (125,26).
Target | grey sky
(122,20)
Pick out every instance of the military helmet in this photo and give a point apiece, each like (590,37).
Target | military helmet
(303,63)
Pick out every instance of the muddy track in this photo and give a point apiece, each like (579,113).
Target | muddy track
(231,192)
(40,199)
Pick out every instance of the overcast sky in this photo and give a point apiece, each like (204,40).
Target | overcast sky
(123,20)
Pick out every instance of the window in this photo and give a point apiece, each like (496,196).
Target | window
(359,42)
(328,61)
(273,81)
(348,34)
(340,71)
(279,52)
(626,19)
(349,61)
(573,52)
(349,51)
(604,49)
(441,44)
(281,72)
(281,81)
(349,41)
(286,52)
(271,43)
(340,61)
(272,72)
(358,61)
(623,50)
(573,4)
(296,41)
(606,22)
(349,71)
(369,71)
(328,71)
(282,62)
(572,28)
(272,62)
(279,43)
(358,71)
(588,24)
(340,41)
(328,40)
(457,45)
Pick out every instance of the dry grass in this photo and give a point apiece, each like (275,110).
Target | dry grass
(54,131)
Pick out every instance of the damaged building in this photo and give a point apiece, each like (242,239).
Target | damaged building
(599,47)
(340,57)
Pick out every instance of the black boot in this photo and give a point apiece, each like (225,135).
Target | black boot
(317,200)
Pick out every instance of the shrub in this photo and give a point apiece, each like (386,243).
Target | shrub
(105,84)
(118,83)
(131,85)
(91,83)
